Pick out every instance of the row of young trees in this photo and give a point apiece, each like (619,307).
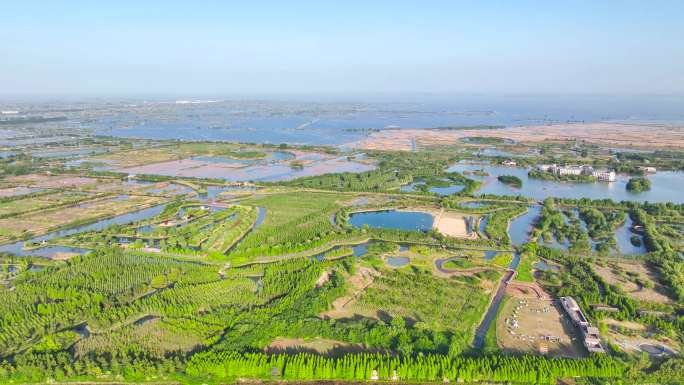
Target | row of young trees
(425,368)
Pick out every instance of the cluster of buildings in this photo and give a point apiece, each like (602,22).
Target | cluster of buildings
(601,175)
(590,334)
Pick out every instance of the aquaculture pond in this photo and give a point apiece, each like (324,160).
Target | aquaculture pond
(392,219)
(233,171)
(7,154)
(67,153)
(17,248)
(17,191)
(270,157)
(666,185)
(213,191)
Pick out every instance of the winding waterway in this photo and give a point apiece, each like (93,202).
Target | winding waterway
(17,248)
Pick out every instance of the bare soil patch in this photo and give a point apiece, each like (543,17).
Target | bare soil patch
(528,290)
(646,135)
(628,275)
(635,338)
(624,324)
(452,224)
(52,181)
(362,279)
(316,345)
(537,327)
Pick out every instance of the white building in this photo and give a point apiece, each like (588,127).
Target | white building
(590,334)
(601,175)
(604,175)
(569,170)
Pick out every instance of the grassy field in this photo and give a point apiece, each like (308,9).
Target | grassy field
(638,280)
(444,305)
(42,201)
(138,157)
(525,269)
(293,222)
(490,342)
(502,260)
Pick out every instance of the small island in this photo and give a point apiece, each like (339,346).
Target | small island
(638,184)
(510,180)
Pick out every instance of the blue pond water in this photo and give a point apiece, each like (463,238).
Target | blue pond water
(623,237)
(520,227)
(391,219)
(490,254)
(441,191)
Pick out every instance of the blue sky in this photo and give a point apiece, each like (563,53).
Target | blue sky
(263,47)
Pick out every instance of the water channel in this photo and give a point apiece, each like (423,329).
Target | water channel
(17,248)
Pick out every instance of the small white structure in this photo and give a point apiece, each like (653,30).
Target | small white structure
(509,163)
(647,169)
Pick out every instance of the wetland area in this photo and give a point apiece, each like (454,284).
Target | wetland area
(222,255)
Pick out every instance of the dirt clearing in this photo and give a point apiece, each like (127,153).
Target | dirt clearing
(529,325)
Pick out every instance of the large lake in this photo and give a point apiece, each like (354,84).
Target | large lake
(337,120)
(666,185)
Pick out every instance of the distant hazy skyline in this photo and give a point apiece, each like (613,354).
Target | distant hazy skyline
(261,47)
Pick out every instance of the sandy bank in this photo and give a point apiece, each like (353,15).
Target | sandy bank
(451,224)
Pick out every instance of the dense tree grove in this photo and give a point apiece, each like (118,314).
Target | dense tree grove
(510,180)
(637,185)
